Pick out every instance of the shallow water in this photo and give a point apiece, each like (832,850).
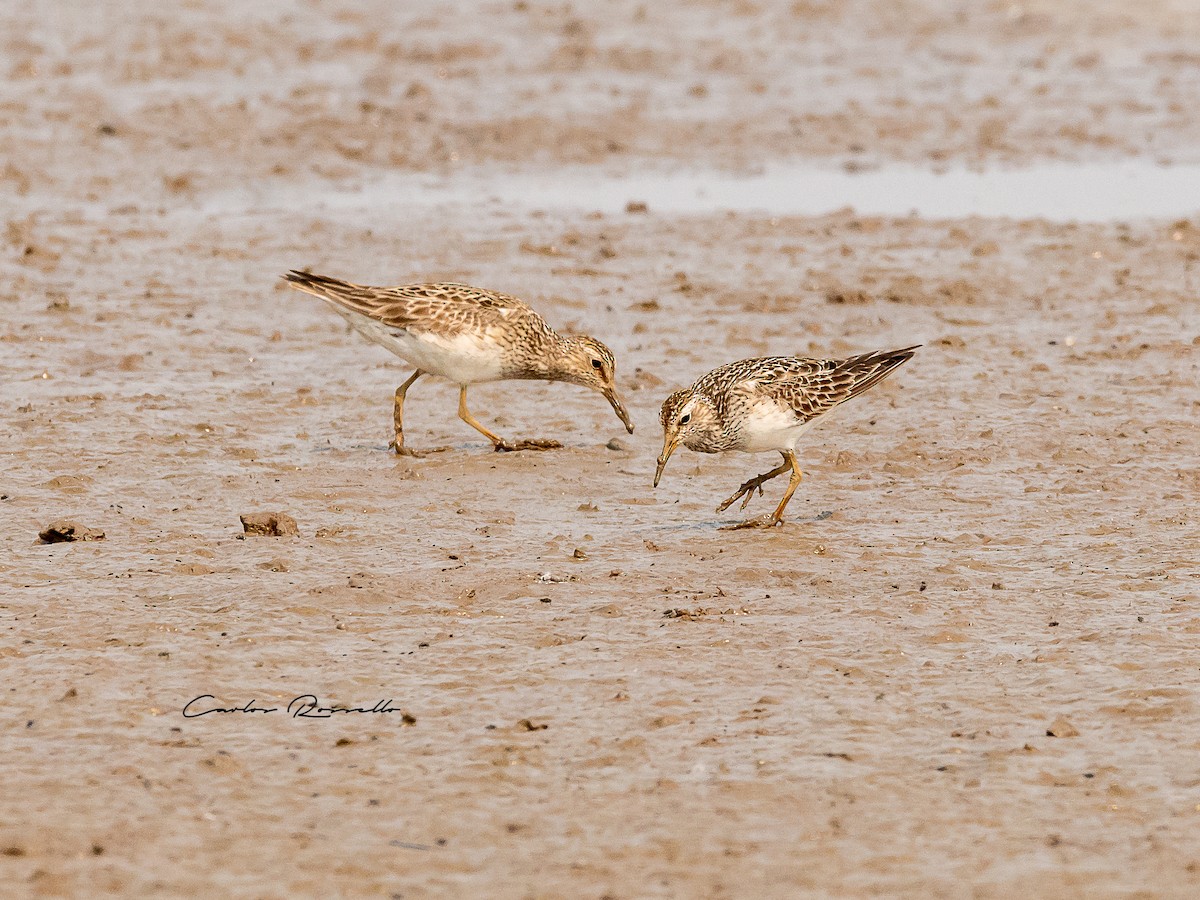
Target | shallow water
(1060,192)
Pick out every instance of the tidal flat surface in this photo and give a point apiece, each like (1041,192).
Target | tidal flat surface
(966,666)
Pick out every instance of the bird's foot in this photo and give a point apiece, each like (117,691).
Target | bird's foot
(402,450)
(746,491)
(531,444)
(760,522)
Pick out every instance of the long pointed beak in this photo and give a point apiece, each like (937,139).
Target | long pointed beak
(610,394)
(668,448)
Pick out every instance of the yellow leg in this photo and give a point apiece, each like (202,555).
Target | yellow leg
(465,415)
(398,414)
(794,482)
(747,489)
(498,442)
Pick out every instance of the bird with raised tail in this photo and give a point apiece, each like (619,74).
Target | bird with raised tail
(763,404)
(467,335)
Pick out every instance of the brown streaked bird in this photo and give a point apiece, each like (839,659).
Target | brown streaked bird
(766,404)
(467,335)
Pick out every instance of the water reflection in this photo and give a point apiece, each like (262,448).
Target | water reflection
(1061,192)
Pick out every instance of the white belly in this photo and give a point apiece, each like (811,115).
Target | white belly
(771,427)
(463,359)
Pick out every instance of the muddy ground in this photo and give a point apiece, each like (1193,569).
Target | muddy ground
(965,667)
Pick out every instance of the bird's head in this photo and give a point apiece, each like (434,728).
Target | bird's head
(687,416)
(587,362)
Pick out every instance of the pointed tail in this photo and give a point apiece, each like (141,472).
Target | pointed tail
(333,290)
(319,285)
(868,369)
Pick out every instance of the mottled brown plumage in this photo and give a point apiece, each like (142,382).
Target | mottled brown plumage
(443,308)
(766,404)
(467,335)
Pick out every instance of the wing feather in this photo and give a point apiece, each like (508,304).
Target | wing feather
(445,309)
(808,387)
(812,387)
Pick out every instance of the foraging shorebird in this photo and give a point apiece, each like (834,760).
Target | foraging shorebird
(766,404)
(467,335)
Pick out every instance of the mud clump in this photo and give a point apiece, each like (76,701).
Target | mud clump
(65,530)
(912,290)
(844,294)
(1061,728)
(269,525)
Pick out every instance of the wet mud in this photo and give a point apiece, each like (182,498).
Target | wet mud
(966,664)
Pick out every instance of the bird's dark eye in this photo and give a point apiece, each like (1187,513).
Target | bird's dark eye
(596,364)
(683,420)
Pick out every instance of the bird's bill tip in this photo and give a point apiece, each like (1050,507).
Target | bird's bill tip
(662,462)
(619,409)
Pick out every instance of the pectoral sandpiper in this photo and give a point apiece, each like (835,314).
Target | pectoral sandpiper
(467,335)
(766,404)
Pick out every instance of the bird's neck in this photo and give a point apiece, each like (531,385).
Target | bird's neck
(712,442)
(548,360)
(557,360)
(716,437)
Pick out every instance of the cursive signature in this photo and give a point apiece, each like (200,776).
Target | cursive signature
(203,709)
(306,706)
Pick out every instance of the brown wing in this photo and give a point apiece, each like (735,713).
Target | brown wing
(812,387)
(445,309)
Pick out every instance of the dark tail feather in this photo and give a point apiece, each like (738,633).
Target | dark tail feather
(317,282)
(339,293)
(869,369)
